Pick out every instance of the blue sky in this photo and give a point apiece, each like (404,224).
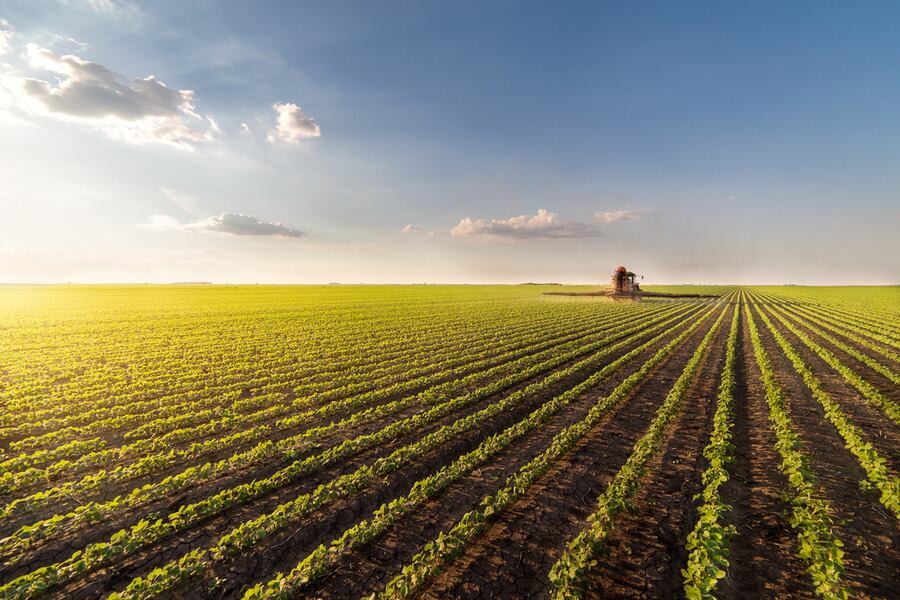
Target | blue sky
(459,142)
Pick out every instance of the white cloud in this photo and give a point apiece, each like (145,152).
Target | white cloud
(6,34)
(138,111)
(292,124)
(228,223)
(410,229)
(543,225)
(614,216)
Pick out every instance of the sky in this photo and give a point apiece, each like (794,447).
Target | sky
(457,142)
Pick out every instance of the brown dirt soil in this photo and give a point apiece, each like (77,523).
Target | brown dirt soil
(763,554)
(884,385)
(514,554)
(876,427)
(368,568)
(646,548)
(870,534)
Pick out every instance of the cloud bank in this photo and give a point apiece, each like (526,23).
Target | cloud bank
(227,223)
(614,216)
(543,225)
(292,124)
(137,111)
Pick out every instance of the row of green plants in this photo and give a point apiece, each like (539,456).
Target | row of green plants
(365,376)
(569,574)
(145,532)
(484,370)
(875,365)
(290,448)
(237,421)
(181,342)
(873,464)
(83,411)
(707,544)
(155,459)
(167,334)
(843,315)
(168,338)
(248,534)
(177,413)
(810,514)
(843,326)
(315,564)
(449,544)
(873,307)
(41,458)
(865,342)
(882,330)
(866,389)
(386,347)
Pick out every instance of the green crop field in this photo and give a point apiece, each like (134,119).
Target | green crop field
(389,441)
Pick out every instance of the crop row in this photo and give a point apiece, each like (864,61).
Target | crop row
(286,449)
(810,324)
(708,542)
(872,463)
(866,389)
(841,328)
(247,536)
(372,347)
(818,546)
(381,342)
(427,562)
(402,368)
(569,574)
(145,532)
(878,329)
(844,317)
(860,304)
(238,421)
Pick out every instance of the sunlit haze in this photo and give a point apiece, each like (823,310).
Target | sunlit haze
(457,142)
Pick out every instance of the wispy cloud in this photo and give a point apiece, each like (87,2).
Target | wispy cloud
(543,225)
(292,124)
(109,7)
(226,223)
(6,34)
(184,201)
(410,229)
(138,111)
(614,216)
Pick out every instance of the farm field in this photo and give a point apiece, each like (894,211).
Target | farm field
(448,442)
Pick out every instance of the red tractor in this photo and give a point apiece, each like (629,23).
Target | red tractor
(623,282)
(625,289)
